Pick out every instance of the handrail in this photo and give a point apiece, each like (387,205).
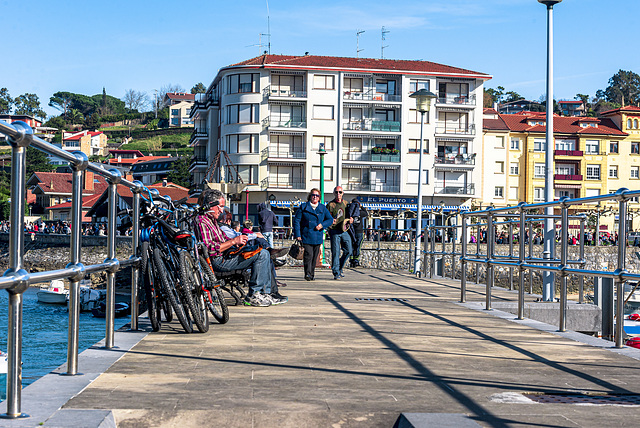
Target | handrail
(16,279)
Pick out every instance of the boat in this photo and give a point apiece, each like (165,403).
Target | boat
(55,293)
(89,298)
(4,365)
(121,310)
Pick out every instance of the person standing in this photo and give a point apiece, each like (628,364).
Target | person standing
(358,214)
(266,220)
(340,239)
(310,220)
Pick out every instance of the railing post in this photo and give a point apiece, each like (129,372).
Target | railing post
(433,251)
(78,171)
(16,269)
(583,264)
(463,261)
(564,256)
(622,266)
(531,256)
(454,231)
(111,258)
(135,239)
(490,249)
(510,254)
(478,238)
(521,253)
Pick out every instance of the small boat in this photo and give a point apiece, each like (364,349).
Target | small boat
(89,298)
(4,365)
(121,310)
(54,294)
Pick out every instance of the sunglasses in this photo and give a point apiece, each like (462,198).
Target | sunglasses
(313,195)
(339,192)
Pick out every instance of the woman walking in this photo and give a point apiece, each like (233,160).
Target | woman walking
(310,220)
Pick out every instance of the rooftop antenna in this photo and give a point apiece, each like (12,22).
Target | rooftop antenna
(358,50)
(268,28)
(382,45)
(260,45)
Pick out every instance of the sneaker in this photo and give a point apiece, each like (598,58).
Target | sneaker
(341,275)
(273,300)
(308,278)
(336,277)
(257,299)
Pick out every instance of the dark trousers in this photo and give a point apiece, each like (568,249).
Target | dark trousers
(310,258)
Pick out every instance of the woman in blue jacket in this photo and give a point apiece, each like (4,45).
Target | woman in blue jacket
(310,220)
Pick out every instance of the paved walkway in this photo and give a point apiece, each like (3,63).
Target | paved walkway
(328,359)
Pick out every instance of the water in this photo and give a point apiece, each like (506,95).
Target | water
(44,335)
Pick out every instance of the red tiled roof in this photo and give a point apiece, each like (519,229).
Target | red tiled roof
(489,111)
(87,202)
(570,102)
(31,197)
(561,125)
(181,96)
(60,183)
(626,109)
(116,151)
(330,62)
(494,124)
(132,161)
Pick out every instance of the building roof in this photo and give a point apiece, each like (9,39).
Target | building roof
(140,159)
(123,151)
(561,124)
(81,134)
(627,109)
(569,102)
(356,64)
(60,183)
(180,96)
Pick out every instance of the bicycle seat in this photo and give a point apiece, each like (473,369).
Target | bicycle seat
(174,234)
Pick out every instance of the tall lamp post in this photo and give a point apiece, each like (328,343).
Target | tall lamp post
(423,104)
(548,278)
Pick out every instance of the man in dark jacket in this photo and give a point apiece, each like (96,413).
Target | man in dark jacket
(358,214)
(340,239)
(266,220)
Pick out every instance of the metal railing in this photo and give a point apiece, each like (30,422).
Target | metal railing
(441,128)
(468,189)
(268,122)
(520,220)
(283,91)
(460,159)
(370,95)
(464,100)
(372,125)
(16,279)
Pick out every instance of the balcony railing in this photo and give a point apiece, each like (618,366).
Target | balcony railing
(284,123)
(206,100)
(575,177)
(372,187)
(461,100)
(567,152)
(282,153)
(283,92)
(371,157)
(372,125)
(370,96)
(441,128)
(277,183)
(469,189)
(460,159)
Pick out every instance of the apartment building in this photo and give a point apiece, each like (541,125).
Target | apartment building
(272,114)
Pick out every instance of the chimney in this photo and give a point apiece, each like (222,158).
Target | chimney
(88,181)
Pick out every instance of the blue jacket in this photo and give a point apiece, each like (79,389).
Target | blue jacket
(307,219)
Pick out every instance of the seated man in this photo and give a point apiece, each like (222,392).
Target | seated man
(217,243)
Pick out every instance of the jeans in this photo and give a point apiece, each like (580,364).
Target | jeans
(260,264)
(269,237)
(356,246)
(339,241)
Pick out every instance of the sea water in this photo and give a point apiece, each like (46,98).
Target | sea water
(45,330)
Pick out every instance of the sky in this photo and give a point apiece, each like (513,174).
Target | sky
(83,46)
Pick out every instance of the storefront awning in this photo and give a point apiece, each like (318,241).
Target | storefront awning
(385,207)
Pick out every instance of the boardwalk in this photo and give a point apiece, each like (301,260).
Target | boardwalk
(326,359)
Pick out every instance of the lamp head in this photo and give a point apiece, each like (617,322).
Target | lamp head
(549,3)
(423,99)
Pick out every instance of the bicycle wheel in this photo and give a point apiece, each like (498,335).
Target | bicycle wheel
(146,274)
(213,295)
(166,309)
(191,287)
(170,291)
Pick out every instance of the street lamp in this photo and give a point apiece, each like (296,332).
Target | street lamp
(423,104)
(549,224)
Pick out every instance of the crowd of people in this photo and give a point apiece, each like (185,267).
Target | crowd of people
(60,227)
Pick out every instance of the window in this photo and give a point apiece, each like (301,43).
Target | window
(499,192)
(288,146)
(515,143)
(242,143)
(538,170)
(243,83)
(327,140)
(352,145)
(386,87)
(592,192)
(538,194)
(414,145)
(565,169)
(635,172)
(513,168)
(248,173)
(352,84)
(242,113)
(613,147)
(593,147)
(513,193)
(416,85)
(629,123)
(175,112)
(635,123)
(499,167)
(175,121)
(635,147)
(539,145)
(321,81)
(499,142)
(593,172)
(613,171)
(562,144)
(414,116)
(328,173)
(412,176)
(323,112)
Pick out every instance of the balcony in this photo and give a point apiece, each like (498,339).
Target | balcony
(453,159)
(282,153)
(284,123)
(204,101)
(567,152)
(457,100)
(198,134)
(283,92)
(442,128)
(371,157)
(372,125)
(372,187)
(469,189)
(370,96)
(281,183)
(574,177)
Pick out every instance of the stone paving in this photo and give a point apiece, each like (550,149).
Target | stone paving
(327,359)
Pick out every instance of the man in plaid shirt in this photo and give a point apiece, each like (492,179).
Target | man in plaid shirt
(217,243)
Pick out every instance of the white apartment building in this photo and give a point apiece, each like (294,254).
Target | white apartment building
(271,115)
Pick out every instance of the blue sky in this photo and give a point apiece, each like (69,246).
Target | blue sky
(83,46)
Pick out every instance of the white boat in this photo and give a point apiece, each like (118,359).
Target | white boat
(54,294)
(4,366)
(89,298)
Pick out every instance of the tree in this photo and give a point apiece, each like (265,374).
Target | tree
(624,88)
(38,162)
(61,101)
(180,174)
(29,104)
(56,122)
(199,88)
(75,117)
(135,100)
(167,88)
(513,96)
(5,101)
(495,94)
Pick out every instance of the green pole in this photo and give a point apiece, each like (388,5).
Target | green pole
(322,152)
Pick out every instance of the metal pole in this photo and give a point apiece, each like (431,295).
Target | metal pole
(510,255)
(477,254)
(77,174)
(582,265)
(453,248)
(531,256)
(598,228)
(16,269)
(135,241)
(417,265)
(521,254)
(433,251)
(111,258)
(463,262)
(564,256)
(622,268)
(490,247)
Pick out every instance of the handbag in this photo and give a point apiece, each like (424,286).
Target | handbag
(296,251)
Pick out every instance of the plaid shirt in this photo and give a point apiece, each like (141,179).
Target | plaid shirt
(210,234)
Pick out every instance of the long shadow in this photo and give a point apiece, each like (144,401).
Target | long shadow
(445,386)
